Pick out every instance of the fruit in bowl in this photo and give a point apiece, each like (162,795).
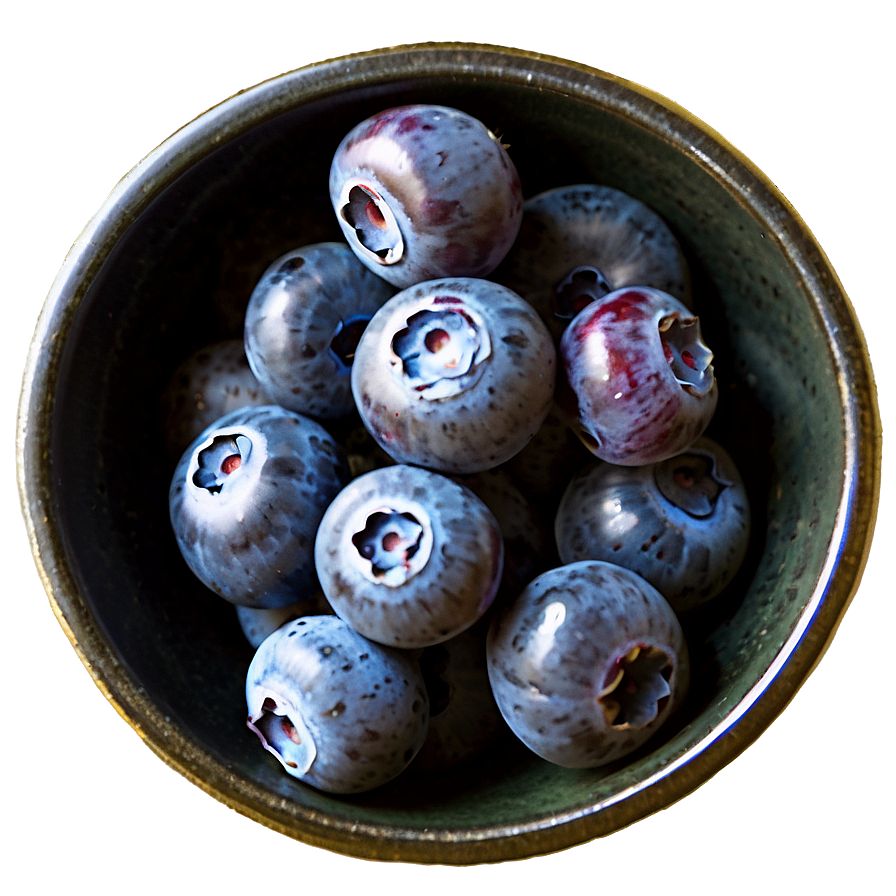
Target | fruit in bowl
(103,354)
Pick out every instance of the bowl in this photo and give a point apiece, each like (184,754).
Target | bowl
(167,265)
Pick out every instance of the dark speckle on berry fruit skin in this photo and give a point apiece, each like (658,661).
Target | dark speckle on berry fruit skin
(296,324)
(443,179)
(251,539)
(509,372)
(688,551)
(348,743)
(554,656)
(443,585)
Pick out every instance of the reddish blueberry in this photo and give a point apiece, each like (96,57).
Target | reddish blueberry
(425,191)
(638,383)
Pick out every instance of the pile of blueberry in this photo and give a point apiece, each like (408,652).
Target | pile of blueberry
(373,473)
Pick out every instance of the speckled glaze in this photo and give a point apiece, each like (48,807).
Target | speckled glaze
(630,516)
(468,423)
(132,298)
(441,589)
(362,709)
(596,227)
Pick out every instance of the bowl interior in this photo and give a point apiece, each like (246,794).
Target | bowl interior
(179,277)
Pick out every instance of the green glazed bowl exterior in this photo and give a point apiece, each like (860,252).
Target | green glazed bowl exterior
(167,266)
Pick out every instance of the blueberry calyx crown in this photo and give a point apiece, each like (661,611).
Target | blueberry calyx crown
(285,735)
(372,222)
(636,687)
(690,482)
(578,289)
(392,547)
(688,357)
(441,349)
(220,460)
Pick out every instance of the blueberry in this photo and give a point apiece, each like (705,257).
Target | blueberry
(587,664)
(339,712)
(245,501)
(210,383)
(424,191)
(580,242)
(683,523)
(637,379)
(257,622)
(407,557)
(303,323)
(454,374)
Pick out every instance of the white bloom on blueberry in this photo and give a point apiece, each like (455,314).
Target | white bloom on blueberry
(303,323)
(638,383)
(587,664)
(455,375)
(409,558)
(339,712)
(246,499)
(425,191)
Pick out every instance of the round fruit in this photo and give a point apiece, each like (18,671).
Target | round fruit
(407,557)
(425,191)
(455,375)
(638,383)
(303,323)
(683,523)
(587,664)
(245,501)
(339,712)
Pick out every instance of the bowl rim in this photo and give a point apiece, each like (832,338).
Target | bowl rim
(833,591)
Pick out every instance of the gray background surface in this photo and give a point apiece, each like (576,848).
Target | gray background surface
(93,87)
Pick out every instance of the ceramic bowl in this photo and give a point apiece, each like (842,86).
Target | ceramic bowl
(167,265)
